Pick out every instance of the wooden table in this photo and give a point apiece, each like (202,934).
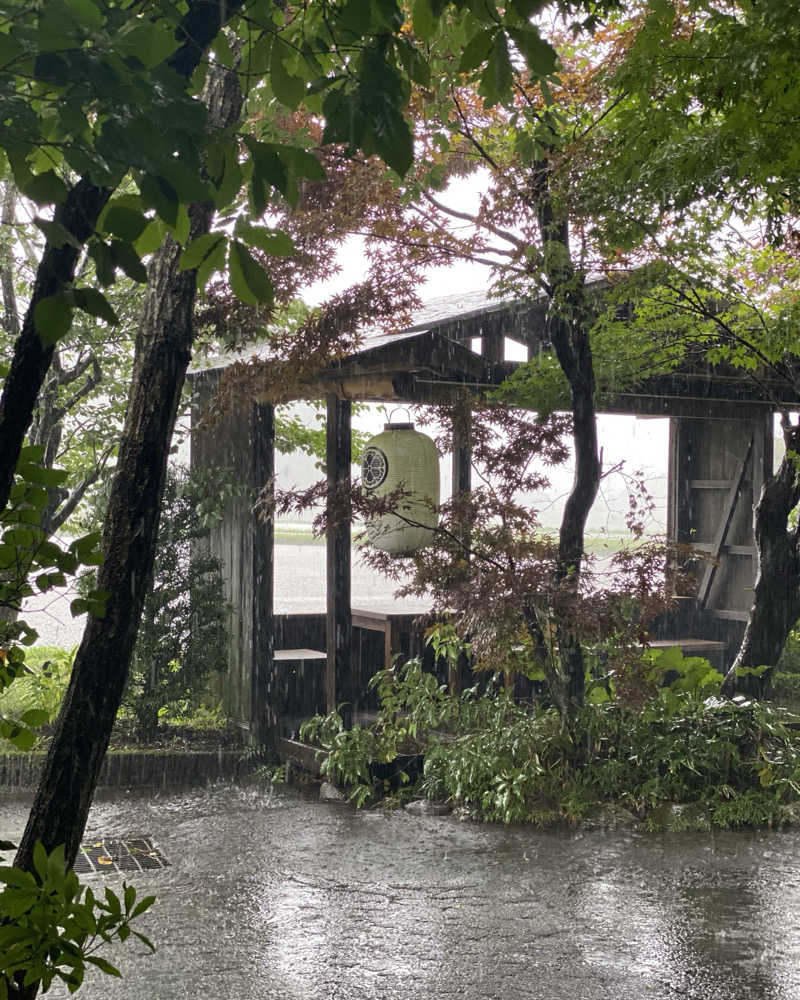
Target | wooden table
(387,618)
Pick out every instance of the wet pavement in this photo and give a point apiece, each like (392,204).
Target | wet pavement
(271,895)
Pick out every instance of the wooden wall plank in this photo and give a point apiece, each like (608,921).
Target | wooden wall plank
(339,668)
(723,524)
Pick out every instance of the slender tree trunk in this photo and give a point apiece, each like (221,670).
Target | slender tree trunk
(569,322)
(78,214)
(163,348)
(776,596)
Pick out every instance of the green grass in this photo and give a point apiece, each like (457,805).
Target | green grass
(297,536)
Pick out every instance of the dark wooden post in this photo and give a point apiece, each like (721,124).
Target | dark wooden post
(339,631)
(462,483)
(263,721)
(493,346)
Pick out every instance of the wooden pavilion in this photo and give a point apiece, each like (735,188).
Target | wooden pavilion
(720,451)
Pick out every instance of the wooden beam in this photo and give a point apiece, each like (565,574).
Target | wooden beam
(722,527)
(339,630)
(263,721)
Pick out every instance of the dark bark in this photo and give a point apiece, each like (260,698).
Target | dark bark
(8,218)
(31,359)
(569,322)
(163,347)
(78,214)
(776,595)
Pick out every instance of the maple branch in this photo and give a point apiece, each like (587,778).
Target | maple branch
(470,137)
(502,234)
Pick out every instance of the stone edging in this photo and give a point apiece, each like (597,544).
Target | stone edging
(158,770)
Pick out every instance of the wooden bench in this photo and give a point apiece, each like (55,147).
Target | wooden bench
(299,655)
(300,686)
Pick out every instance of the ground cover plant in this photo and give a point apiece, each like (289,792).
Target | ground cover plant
(735,761)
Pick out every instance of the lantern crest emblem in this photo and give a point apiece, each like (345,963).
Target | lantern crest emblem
(374,467)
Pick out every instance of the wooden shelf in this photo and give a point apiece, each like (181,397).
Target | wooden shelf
(728,615)
(690,645)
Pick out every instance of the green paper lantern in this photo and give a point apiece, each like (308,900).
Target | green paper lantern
(402,458)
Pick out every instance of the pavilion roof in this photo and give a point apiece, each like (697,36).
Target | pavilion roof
(434,361)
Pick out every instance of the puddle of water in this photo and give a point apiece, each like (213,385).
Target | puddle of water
(270,895)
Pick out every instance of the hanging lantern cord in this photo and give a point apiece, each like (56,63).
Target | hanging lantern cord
(393,423)
(396,409)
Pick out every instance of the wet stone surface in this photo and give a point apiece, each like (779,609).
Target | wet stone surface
(271,895)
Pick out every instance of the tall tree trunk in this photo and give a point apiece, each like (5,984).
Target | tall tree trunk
(776,596)
(163,348)
(569,322)
(78,214)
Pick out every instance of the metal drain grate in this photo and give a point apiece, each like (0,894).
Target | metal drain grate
(131,854)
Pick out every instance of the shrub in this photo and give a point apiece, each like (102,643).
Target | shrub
(509,762)
(38,691)
(183,633)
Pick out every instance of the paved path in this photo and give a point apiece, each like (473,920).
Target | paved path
(273,897)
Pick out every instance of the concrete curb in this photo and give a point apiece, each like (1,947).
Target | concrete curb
(159,770)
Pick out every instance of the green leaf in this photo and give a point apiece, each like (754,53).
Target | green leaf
(46,188)
(199,249)
(249,280)
(144,904)
(40,859)
(267,165)
(56,234)
(35,717)
(86,13)
(527,8)
(160,195)
(16,877)
(33,473)
(477,50)
(145,940)
(498,75)
(540,56)
(31,453)
(87,548)
(187,184)
(413,63)
(126,258)
(104,965)
(344,118)
(393,140)
(423,19)
(287,88)
(214,261)
(147,42)
(96,304)
(103,258)
(181,231)
(390,14)
(52,318)
(10,49)
(151,238)
(124,222)
(273,242)
(356,17)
